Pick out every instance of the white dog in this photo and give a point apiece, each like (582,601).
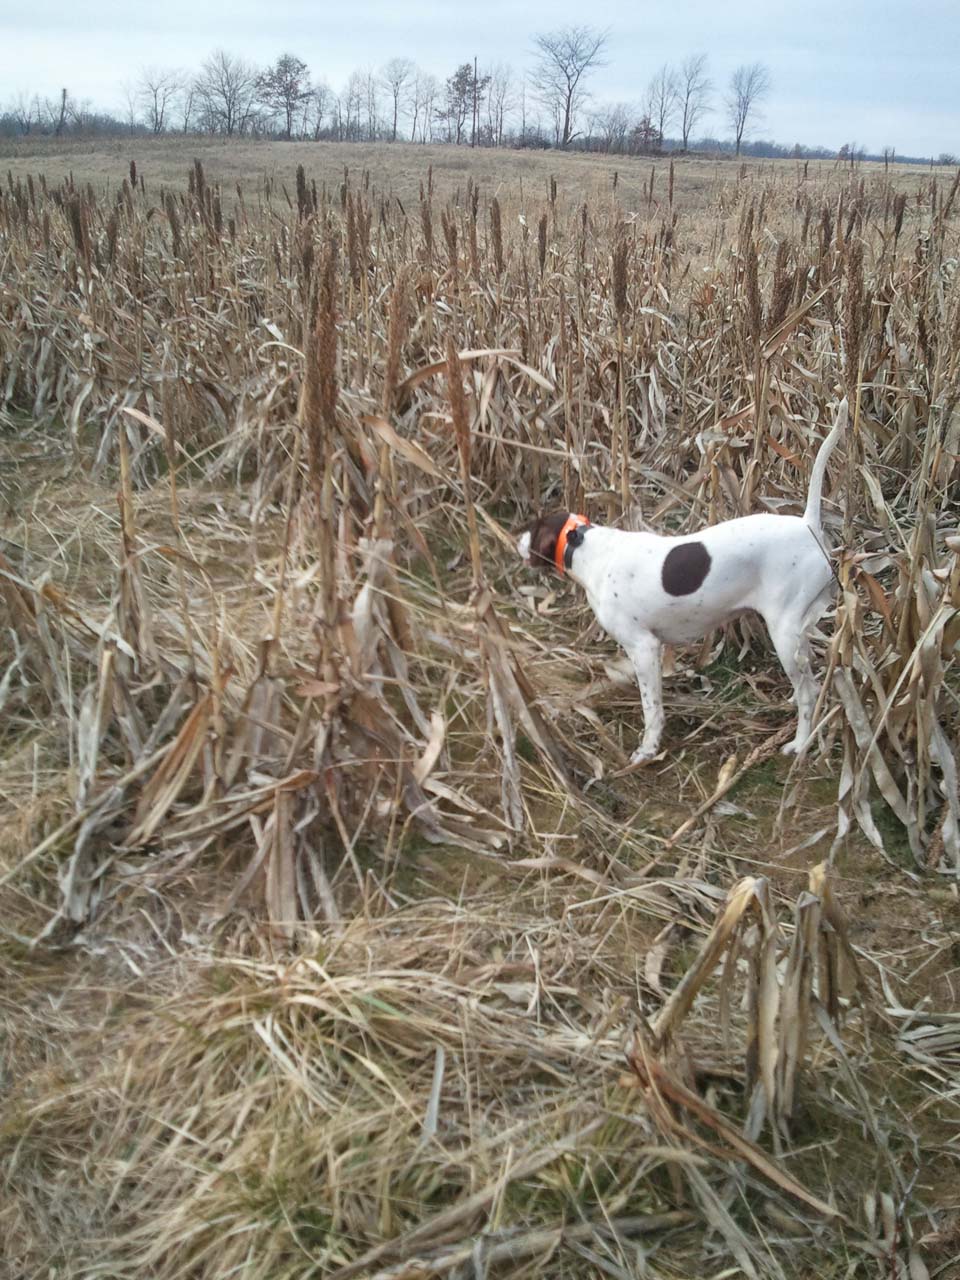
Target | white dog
(647,590)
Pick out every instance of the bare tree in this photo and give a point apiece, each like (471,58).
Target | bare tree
(849,154)
(749,85)
(57,111)
(157,92)
(611,124)
(81,113)
(564,59)
(479,88)
(25,111)
(350,108)
(186,103)
(317,108)
(694,89)
(283,89)
(226,90)
(423,98)
(131,101)
(396,77)
(662,100)
(501,101)
(371,104)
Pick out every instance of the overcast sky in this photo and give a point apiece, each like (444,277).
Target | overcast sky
(877,73)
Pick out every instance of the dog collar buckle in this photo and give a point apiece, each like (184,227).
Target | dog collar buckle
(573,522)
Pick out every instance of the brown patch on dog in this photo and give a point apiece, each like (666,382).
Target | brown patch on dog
(685,569)
(543,539)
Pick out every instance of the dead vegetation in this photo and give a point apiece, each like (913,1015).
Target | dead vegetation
(337,940)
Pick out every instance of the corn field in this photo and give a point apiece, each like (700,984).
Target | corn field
(338,937)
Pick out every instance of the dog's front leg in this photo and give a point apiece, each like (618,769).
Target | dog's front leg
(646,655)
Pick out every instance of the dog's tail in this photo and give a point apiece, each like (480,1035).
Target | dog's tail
(811,515)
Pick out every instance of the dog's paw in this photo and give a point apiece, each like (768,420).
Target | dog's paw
(643,755)
(523,547)
(794,748)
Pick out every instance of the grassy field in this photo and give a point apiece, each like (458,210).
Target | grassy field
(337,937)
(515,177)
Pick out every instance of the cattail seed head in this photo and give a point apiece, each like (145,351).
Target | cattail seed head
(620,252)
(113,228)
(448,223)
(458,402)
(173,217)
(395,334)
(783,280)
(807,213)
(853,309)
(751,286)
(426,224)
(353,240)
(496,235)
(318,398)
(899,208)
(826,228)
(78,229)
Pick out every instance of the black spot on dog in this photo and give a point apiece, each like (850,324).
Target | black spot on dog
(685,568)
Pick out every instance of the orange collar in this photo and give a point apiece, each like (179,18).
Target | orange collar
(573,522)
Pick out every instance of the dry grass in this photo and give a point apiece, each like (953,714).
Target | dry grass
(398,169)
(336,940)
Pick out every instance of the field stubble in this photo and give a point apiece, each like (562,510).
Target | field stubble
(336,939)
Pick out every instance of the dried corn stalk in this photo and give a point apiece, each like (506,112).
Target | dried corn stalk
(781,986)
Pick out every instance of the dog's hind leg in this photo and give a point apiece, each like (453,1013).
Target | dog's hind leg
(646,655)
(790,636)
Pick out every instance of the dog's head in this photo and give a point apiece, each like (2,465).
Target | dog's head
(538,546)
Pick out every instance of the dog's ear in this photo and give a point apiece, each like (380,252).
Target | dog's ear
(575,536)
(543,539)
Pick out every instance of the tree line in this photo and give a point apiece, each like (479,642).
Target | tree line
(550,104)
